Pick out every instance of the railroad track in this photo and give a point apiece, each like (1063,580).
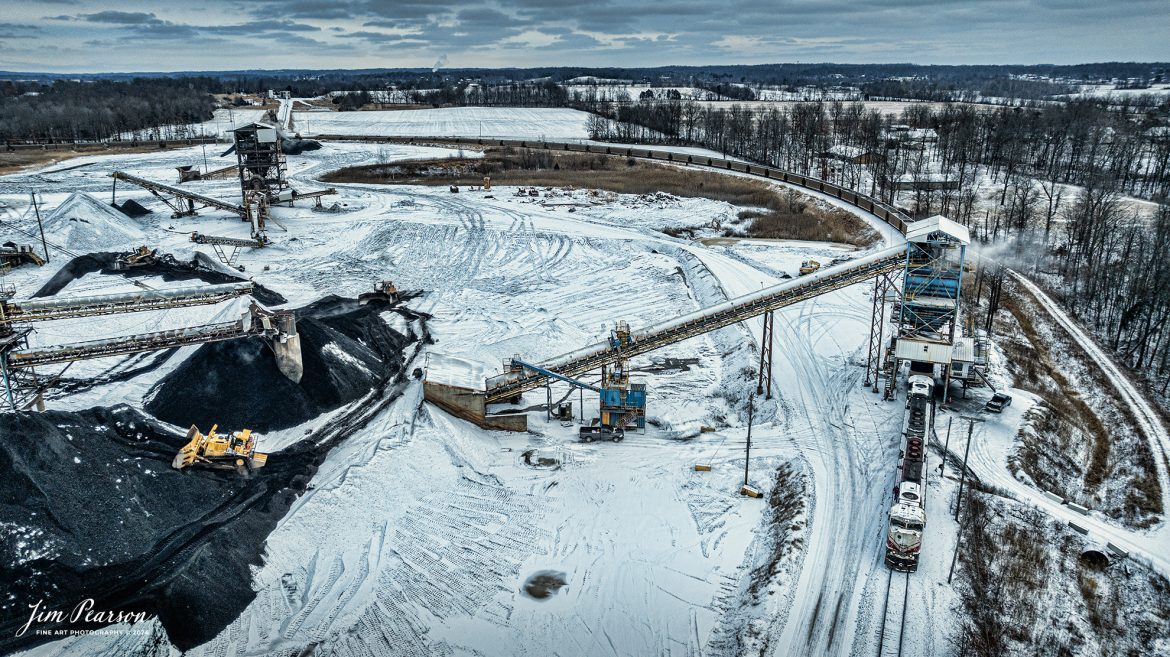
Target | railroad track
(890,641)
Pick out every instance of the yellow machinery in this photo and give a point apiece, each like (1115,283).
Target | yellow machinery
(809,266)
(15,255)
(383,290)
(139,257)
(236,451)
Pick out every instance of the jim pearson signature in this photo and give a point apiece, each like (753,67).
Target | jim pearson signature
(84,612)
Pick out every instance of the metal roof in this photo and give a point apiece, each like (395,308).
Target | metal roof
(920,231)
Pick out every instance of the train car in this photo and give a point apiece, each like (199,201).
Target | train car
(908,514)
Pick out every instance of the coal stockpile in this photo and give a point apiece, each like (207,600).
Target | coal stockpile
(92,509)
(167,267)
(74,269)
(132,208)
(296,145)
(170,270)
(95,511)
(347,349)
(102,515)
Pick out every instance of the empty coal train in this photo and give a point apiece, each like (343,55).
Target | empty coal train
(908,514)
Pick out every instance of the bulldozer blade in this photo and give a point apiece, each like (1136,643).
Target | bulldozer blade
(180,461)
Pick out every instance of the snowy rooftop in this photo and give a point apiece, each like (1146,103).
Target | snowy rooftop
(920,231)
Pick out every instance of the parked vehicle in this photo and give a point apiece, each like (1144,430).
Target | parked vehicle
(998,402)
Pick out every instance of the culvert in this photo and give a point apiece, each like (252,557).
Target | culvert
(1095,559)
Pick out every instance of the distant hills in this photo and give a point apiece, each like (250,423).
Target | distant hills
(763,73)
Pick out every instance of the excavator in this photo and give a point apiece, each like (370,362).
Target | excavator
(236,451)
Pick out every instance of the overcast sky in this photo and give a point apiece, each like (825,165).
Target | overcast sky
(90,36)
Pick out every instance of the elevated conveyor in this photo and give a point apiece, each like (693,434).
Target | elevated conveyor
(132,344)
(215,240)
(23,387)
(40,310)
(511,384)
(192,198)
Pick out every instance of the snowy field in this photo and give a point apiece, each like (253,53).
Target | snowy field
(419,532)
(501,122)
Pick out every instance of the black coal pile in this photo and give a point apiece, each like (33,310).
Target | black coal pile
(347,349)
(92,509)
(167,267)
(74,269)
(296,145)
(99,513)
(132,208)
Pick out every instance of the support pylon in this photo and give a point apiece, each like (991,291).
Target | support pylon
(876,324)
(891,366)
(764,384)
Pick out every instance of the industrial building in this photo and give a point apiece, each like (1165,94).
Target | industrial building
(926,313)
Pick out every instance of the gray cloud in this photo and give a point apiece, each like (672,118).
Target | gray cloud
(121,18)
(258,26)
(361,33)
(18,27)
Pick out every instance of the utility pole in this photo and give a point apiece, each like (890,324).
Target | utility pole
(946,449)
(44,244)
(203,140)
(747,457)
(963,475)
(958,541)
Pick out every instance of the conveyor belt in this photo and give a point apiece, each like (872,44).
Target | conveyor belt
(134,343)
(156,187)
(40,310)
(887,260)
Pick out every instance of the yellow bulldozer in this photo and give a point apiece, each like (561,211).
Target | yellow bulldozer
(139,257)
(809,266)
(235,451)
(383,291)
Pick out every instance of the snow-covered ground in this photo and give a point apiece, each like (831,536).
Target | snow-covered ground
(1111,91)
(657,569)
(506,122)
(418,533)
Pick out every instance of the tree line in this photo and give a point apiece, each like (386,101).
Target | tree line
(67,111)
(1050,189)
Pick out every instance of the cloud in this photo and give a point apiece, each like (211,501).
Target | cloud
(364,33)
(10,28)
(121,18)
(261,26)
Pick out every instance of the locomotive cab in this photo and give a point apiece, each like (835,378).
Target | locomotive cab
(904,538)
